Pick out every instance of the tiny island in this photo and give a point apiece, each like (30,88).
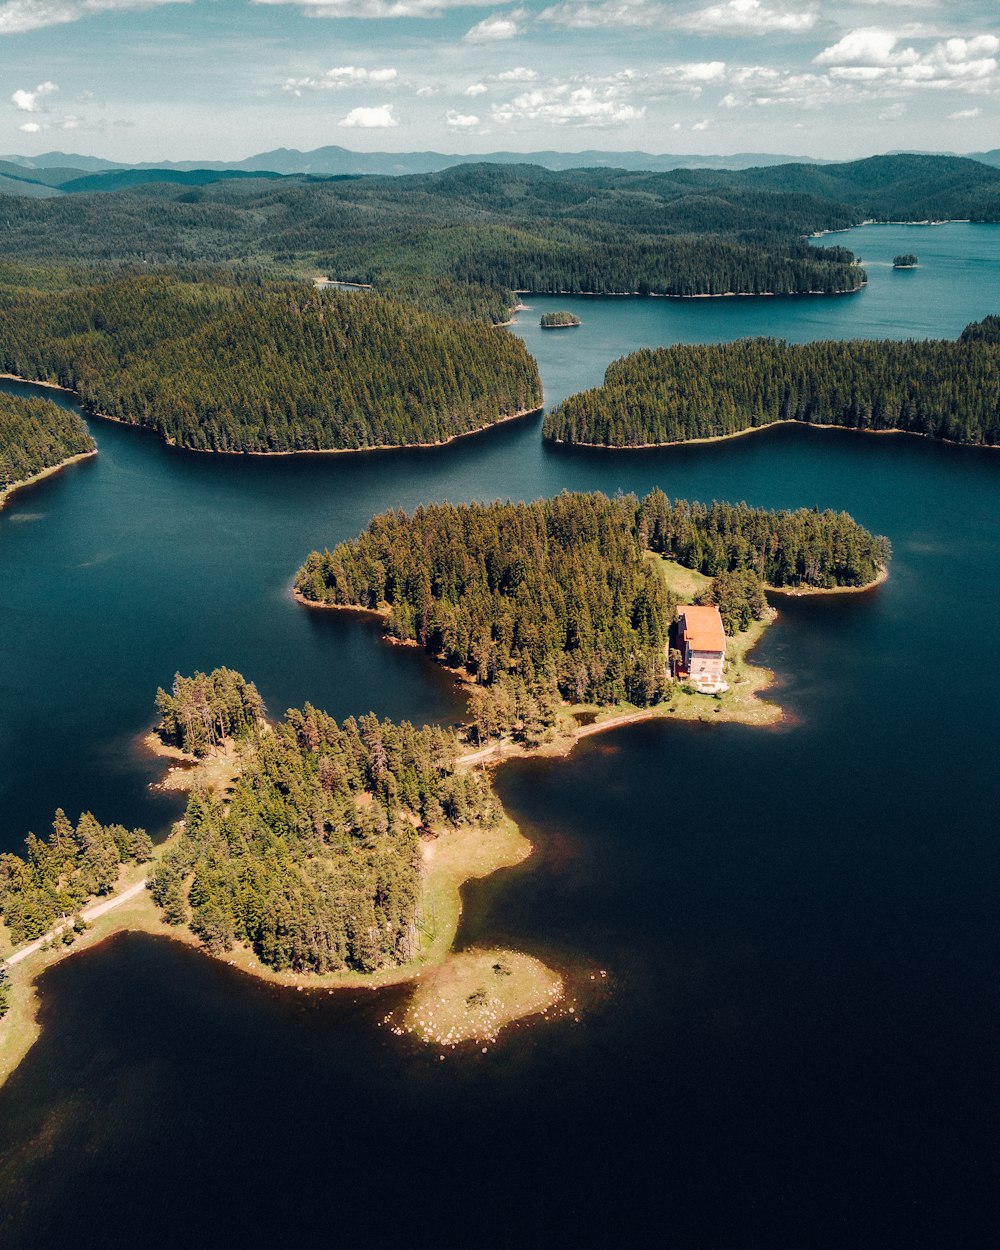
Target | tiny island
(559,321)
(905,260)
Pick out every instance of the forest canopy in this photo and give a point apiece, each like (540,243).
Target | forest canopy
(36,434)
(245,365)
(203,710)
(940,388)
(314,859)
(61,873)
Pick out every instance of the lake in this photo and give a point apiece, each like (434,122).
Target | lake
(781,945)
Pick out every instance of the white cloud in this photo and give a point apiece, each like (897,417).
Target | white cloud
(380,8)
(496,28)
(475,88)
(29,101)
(339,77)
(613,13)
(378,118)
(893,112)
(748,17)
(19,16)
(70,121)
(871,56)
(519,74)
(461,121)
(702,125)
(734,17)
(962,115)
(694,72)
(426,91)
(869,45)
(565,104)
(31,128)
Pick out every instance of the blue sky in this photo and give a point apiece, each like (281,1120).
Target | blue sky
(221,79)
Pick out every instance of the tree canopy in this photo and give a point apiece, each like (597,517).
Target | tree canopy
(240,364)
(940,388)
(36,434)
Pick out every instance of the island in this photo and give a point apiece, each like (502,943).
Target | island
(236,363)
(37,438)
(558,607)
(904,261)
(938,388)
(559,320)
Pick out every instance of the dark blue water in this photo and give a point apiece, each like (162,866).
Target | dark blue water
(796,1042)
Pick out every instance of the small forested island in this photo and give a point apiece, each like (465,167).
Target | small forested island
(559,320)
(939,388)
(37,437)
(230,363)
(558,601)
(905,260)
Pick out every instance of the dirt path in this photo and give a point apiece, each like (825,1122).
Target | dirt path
(89,913)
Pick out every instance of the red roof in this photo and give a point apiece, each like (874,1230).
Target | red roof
(702,628)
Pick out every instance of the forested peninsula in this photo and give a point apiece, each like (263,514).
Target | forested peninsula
(938,388)
(36,438)
(241,364)
(556,600)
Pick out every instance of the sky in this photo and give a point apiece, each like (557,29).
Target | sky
(146,80)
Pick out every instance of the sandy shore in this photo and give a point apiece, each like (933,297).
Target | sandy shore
(758,429)
(40,476)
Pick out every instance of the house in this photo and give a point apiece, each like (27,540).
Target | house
(701,641)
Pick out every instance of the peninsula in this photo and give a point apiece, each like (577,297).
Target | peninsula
(228,363)
(942,389)
(37,438)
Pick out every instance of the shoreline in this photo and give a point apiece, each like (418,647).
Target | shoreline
(757,429)
(305,451)
(10,491)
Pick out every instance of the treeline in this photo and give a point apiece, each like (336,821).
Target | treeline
(62,873)
(204,709)
(554,600)
(939,388)
(240,364)
(314,859)
(36,434)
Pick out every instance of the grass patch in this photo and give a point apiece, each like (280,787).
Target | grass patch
(474,994)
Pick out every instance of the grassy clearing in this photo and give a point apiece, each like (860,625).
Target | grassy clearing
(215,772)
(474,994)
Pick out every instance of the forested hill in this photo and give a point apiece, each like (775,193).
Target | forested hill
(939,388)
(232,364)
(313,861)
(553,599)
(35,435)
(513,227)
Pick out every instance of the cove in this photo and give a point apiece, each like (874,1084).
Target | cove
(794,1042)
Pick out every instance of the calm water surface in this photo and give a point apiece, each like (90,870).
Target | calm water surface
(795,1043)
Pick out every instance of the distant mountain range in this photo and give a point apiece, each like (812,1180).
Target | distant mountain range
(61,173)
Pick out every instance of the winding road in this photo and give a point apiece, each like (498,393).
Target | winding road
(88,913)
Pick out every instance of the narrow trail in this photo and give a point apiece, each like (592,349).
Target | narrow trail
(88,913)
